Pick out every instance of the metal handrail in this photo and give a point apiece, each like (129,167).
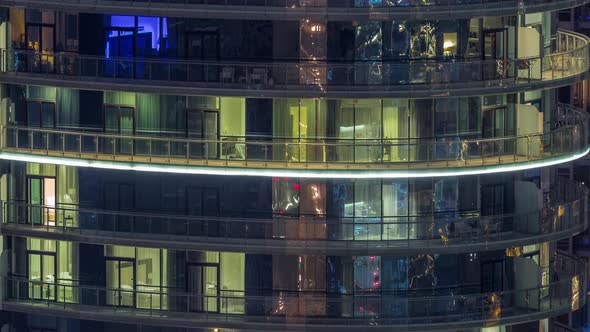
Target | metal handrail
(566,209)
(265,140)
(569,137)
(295,4)
(566,293)
(571,58)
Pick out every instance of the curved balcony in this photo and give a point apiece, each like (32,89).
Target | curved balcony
(564,216)
(308,311)
(326,157)
(304,79)
(299,10)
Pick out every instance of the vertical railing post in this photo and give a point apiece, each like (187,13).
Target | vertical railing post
(150,143)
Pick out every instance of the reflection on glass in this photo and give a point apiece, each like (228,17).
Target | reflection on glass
(42,276)
(120,282)
(202,283)
(41,199)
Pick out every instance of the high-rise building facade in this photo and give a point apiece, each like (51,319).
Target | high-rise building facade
(289,165)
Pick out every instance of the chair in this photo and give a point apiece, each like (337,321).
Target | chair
(228,74)
(259,76)
(233,150)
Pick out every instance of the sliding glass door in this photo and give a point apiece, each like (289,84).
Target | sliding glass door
(41,114)
(119,121)
(203,125)
(41,44)
(120,281)
(204,46)
(118,197)
(203,202)
(42,266)
(202,282)
(120,52)
(41,200)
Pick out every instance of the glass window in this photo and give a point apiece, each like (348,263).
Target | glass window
(148,267)
(423,39)
(395,118)
(470,116)
(17,27)
(286,196)
(446,195)
(367,209)
(233,269)
(120,251)
(313,197)
(494,100)
(421,196)
(395,209)
(367,199)
(421,118)
(446,116)
(41,245)
(41,199)
(286,129)
(400,39)
(468,193)
(395,198)
(66,260)
(341,199)
(40,16)
(367,130)
(367,274)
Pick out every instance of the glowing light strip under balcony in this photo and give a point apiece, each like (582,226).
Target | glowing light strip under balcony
(305,173)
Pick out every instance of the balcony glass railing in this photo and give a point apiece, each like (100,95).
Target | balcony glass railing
(398,5)
(563,216)
(565,293)
(570,59)
(568,137)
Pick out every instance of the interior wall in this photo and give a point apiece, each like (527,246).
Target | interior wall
(232,118)
(528,46)
(527,119)
(525,203)
(526,276)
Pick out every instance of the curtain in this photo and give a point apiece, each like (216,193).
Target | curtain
(40,169)
(148,276)
(367,130)
(421,206)
(67,270)
(41,93)
(233,271)
(148,114)
(68,107)
(395,211)
(342,128)
(119,98)
(172,113)
(211,103)
(286,123)
(67,193)
(395,129)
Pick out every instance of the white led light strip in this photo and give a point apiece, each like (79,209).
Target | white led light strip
(304,173)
